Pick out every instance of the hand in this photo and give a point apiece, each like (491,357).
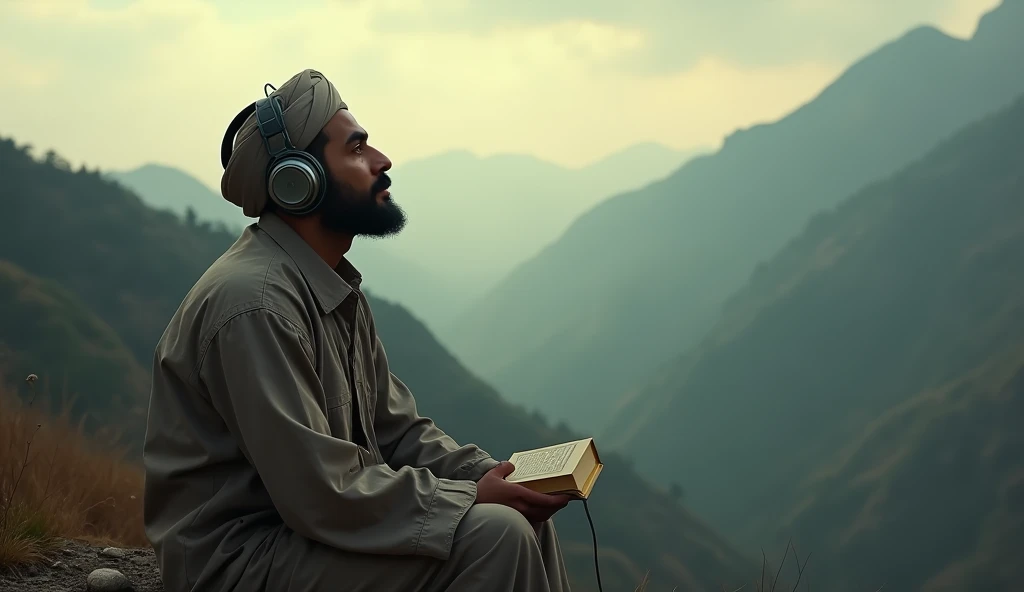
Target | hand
(536,507)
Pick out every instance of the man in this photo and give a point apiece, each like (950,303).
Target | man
(281,452)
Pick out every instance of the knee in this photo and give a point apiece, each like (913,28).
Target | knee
(493,524)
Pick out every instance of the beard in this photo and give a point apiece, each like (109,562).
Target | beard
(347,211)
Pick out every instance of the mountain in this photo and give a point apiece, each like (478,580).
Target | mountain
(167,188)
(868,382)
(128,263)
(430,295)
(638,529)
(467,216)
(131,265)
(82,364)
(641,277)
(481,216)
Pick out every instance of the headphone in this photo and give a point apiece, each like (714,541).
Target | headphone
(295,180)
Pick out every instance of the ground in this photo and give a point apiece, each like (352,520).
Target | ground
(69,569)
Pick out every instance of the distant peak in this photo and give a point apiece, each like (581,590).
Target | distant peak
(924,31)
(1002,22)
(648,149)
(156,168)
(465,156)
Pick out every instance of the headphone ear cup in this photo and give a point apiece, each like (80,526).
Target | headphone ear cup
(296,182)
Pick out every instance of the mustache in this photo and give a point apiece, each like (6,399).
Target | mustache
(383,182)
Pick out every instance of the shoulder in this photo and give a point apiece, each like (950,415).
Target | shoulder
(253,274)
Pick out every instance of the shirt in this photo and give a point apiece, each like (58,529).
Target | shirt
(273,405)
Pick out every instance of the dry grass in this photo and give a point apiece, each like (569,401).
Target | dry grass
(56,483)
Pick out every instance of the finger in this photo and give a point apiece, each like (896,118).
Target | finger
(543,500)
(504,469)
(526,510)
(552,510)
(544,515)
(535,515)
(559,499)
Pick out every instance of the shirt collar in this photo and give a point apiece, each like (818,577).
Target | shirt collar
(329,286)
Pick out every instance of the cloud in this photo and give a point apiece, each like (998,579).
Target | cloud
(751,33)
(122,82)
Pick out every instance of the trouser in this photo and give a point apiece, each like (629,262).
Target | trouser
(495,549)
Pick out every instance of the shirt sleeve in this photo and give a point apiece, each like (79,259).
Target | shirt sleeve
(406,438)
(259,374)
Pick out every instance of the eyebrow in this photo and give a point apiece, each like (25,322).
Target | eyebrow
(357,135)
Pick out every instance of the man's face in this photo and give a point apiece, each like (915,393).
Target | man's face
(357,201)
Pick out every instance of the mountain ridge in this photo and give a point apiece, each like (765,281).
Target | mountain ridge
(96,225)
(641,277)
(891,324)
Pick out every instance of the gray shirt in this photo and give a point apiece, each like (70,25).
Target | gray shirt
(273,406)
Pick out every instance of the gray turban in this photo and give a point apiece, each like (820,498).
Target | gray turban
(309,101)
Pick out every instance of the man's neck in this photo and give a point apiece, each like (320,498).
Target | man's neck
(329,245)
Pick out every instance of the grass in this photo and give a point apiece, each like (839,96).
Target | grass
(57,484)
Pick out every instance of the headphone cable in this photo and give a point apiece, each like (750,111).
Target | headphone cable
(593,533)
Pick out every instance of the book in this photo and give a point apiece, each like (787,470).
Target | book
(571,468)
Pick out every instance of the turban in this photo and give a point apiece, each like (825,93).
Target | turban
(308,101)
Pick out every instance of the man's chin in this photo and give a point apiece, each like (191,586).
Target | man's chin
(370,230)
(385,218)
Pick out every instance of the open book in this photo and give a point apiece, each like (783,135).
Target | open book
(570,468)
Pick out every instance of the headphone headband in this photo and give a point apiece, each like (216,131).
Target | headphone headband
(227,144)
(270,120)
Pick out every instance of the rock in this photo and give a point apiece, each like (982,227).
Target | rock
(107,580)
(69,569)
(113,552)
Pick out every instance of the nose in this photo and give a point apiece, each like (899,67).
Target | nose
(383,163)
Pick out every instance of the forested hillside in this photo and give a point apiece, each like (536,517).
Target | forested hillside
(868,380)
(640,278)
(131,265)
(83,364)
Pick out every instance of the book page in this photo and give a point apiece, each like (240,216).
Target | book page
(542,462)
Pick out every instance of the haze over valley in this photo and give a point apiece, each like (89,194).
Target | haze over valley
(777,271)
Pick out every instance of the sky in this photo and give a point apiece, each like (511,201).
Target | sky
(120,83)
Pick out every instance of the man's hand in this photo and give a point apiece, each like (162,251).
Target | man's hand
(536,507)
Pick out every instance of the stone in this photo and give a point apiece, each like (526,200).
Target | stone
(107,580)
(113,552)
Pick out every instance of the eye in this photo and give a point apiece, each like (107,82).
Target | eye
(359,148)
